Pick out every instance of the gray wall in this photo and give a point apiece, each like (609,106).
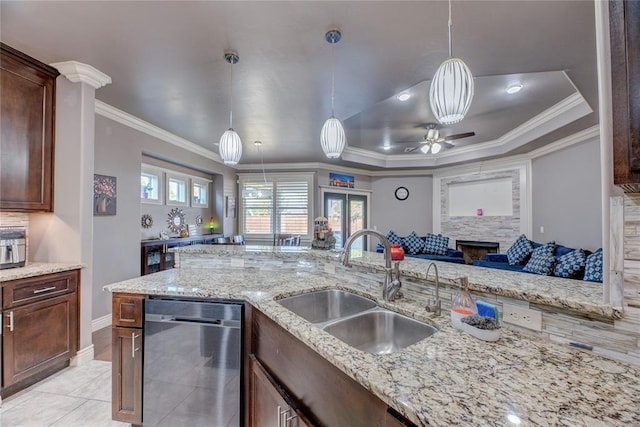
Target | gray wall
(403,217)
(116,239)
(566,196)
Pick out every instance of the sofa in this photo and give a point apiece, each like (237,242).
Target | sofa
(451,255)
(501,261)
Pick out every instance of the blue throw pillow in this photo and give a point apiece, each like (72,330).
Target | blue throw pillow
(593,267)
(542,260)
(519,252)
(436,244)
(413,243)
(394,238)
(570,265)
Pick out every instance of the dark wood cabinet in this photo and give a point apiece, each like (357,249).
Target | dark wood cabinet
(126,358)
(155,255)
(624,17)
(317,389)
(27,102)
(40,325)
(269,404)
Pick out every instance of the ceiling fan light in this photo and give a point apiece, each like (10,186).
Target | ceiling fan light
(230,147)
(451,91)
(425,148)
(332,138)
(435,148)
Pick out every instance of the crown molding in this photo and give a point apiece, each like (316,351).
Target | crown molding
(77,72)
(303,166)
(133,122)
(582,136)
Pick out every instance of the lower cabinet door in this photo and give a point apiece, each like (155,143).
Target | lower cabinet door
(126,403)
(269,408)
(38,336)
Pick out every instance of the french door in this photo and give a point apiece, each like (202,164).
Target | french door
(347,213)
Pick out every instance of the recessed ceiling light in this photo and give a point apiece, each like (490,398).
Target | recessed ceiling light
(386,147)
(514,88)
(403,96)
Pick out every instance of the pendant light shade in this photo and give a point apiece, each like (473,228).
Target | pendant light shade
(332,138)
(230,146)
(451,89)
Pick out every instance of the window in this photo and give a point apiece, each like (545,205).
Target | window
(150,185)
(199,193)
(281,205)
(177,189)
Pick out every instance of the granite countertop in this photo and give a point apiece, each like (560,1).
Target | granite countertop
(33,269)
(578,295)
(450,378)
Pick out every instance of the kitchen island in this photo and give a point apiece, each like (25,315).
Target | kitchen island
(450,378)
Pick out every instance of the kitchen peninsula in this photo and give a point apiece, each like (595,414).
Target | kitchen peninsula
(448,378)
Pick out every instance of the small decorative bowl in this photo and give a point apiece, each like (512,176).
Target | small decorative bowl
(491,335)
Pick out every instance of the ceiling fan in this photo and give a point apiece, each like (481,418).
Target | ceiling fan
(434,142)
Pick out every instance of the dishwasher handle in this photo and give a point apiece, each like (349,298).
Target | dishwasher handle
(222,323)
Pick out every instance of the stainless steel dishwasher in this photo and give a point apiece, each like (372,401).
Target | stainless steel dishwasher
(192,363)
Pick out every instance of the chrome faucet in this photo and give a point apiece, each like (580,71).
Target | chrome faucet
(434,306)
(391,285)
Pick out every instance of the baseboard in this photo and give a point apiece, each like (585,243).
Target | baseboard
(101,322)
(83,356)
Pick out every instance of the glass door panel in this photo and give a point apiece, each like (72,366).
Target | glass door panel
(346,214)
(335,212)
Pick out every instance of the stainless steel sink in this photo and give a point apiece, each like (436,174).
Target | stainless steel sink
(380,331)
(358,321)
(324,306)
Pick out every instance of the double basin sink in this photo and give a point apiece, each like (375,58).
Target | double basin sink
(358,321)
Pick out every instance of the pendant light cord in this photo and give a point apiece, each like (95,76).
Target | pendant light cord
(449,24)
(264,175)
(333,71)
(231,98)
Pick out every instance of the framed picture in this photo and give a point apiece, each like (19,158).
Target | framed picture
(340,180)
(104,195)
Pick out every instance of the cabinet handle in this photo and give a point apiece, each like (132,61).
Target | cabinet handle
(39,291)
(282,413)
(133,345)
(287,419)
(279,417)
(10,316)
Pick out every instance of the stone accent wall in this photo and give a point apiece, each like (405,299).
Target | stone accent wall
(502,229)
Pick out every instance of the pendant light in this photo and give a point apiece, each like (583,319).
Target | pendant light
(230,144)
(332,137)
(451,89)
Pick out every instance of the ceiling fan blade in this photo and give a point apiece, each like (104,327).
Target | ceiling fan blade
(458,136)
(410,149)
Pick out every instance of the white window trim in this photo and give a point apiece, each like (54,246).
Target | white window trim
(176,175)
(202,182)
(275,177)
(159,172)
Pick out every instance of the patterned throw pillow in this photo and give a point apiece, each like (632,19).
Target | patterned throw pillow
(593,267)
(436,244)
(413,243)
(519,251)
(570,265)
(542,260)
(392,237)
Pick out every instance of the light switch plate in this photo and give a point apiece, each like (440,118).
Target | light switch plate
(521,316)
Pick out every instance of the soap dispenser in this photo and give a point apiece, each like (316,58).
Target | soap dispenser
(463,304)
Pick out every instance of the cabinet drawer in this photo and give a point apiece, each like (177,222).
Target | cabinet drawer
(128,310)
(33,289)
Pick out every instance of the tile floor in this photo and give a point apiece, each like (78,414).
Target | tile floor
(76,396)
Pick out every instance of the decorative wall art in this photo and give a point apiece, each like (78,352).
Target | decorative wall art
(340,180)
(147,221)
(104,195)
(230,206)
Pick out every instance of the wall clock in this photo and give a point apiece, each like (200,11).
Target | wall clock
(402,193)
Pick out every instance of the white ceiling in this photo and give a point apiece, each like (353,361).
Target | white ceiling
(167,66)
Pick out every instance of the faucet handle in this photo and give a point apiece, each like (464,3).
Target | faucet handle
(464,281)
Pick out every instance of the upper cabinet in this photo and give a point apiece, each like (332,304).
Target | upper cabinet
(27,103)
(625,76)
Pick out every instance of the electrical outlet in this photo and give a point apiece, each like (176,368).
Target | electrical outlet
(527,318)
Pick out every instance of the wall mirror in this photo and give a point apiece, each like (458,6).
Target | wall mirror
(175,220)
